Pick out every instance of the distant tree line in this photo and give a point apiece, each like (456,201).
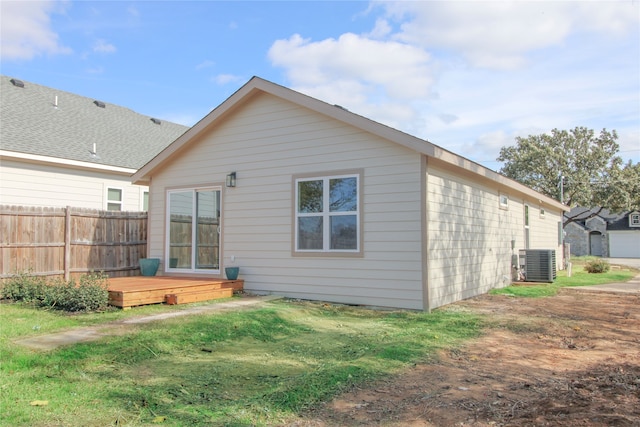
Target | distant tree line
(577,167)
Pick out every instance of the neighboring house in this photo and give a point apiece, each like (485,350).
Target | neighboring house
(599,232)
(60,149)
(314,202)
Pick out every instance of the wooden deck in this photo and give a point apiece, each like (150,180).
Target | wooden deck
(127,292)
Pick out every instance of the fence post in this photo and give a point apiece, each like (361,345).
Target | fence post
(67,243)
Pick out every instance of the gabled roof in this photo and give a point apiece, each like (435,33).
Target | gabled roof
(42,123)
(614,221)
(582,214)
(621,222)
(257,85)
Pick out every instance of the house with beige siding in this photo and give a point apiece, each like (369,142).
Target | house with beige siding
(315,202)
(60,149)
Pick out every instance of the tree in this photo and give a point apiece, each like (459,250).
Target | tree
(576,167)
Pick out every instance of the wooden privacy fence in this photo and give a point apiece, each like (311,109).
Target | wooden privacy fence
(68,242)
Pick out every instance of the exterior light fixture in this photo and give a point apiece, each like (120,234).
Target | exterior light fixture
(231,180)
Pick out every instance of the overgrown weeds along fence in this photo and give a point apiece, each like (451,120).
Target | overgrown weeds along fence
(68,242)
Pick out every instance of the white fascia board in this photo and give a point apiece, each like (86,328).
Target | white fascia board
(75,164)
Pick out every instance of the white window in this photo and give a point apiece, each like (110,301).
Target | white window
(327,214)
(526,227)
(504,201)
(542,212)
(145,201)
(114,199)
(193,227)
(634,220)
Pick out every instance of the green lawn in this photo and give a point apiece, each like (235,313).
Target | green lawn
(579,277)
(258,367)
(254,367)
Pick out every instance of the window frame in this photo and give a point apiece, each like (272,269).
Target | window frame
(503,201)
(326,214)
(527,225)
(194,246)
(119,203)
(634,219)
(144,193)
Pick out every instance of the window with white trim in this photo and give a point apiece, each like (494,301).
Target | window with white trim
(504,201)
(634,220)
(114,199)
(526,227)
(145,201)
(327,214)
(193,230)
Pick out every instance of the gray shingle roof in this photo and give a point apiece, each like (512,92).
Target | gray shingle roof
(30,123)
(615,221)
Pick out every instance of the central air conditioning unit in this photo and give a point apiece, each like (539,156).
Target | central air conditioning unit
(538,265)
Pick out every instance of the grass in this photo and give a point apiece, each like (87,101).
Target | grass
(579,277)
(245,368)
(255,367)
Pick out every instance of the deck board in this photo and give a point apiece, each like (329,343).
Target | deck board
(132,291)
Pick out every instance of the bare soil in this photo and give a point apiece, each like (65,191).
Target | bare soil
(569,360)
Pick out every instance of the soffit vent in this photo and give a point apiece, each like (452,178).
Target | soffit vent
(100,104)
(156,121)
(17,83)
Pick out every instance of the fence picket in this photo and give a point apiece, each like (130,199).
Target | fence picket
(68,242)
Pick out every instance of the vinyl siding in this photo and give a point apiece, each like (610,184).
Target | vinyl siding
(269,141)
(544,230)
(469,235)
(32,184)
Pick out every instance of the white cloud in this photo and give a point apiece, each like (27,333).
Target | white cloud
(400,69)
(381,30)
(378,79)
(102,46)
(470,76)
(25,30)
(205,64)
(223,79)
(499,34)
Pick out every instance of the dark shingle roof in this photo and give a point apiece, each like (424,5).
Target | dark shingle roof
(621,222)
(615,221)
(30,123)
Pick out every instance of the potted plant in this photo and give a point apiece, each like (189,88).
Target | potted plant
(232,272)
(149,266)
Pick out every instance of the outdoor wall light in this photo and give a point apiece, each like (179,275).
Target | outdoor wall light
(231,180)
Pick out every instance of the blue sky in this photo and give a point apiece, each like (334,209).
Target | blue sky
(468,76)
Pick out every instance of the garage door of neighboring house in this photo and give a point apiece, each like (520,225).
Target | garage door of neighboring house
(624,244)
(595,243)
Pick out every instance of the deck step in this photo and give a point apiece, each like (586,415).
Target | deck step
(135,291)
(198,296)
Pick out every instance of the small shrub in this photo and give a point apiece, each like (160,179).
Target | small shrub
(90,294)
(24,287)
(597,266)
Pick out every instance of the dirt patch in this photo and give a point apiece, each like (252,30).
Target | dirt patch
(568,360)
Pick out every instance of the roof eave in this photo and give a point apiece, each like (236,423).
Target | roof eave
(68,163)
